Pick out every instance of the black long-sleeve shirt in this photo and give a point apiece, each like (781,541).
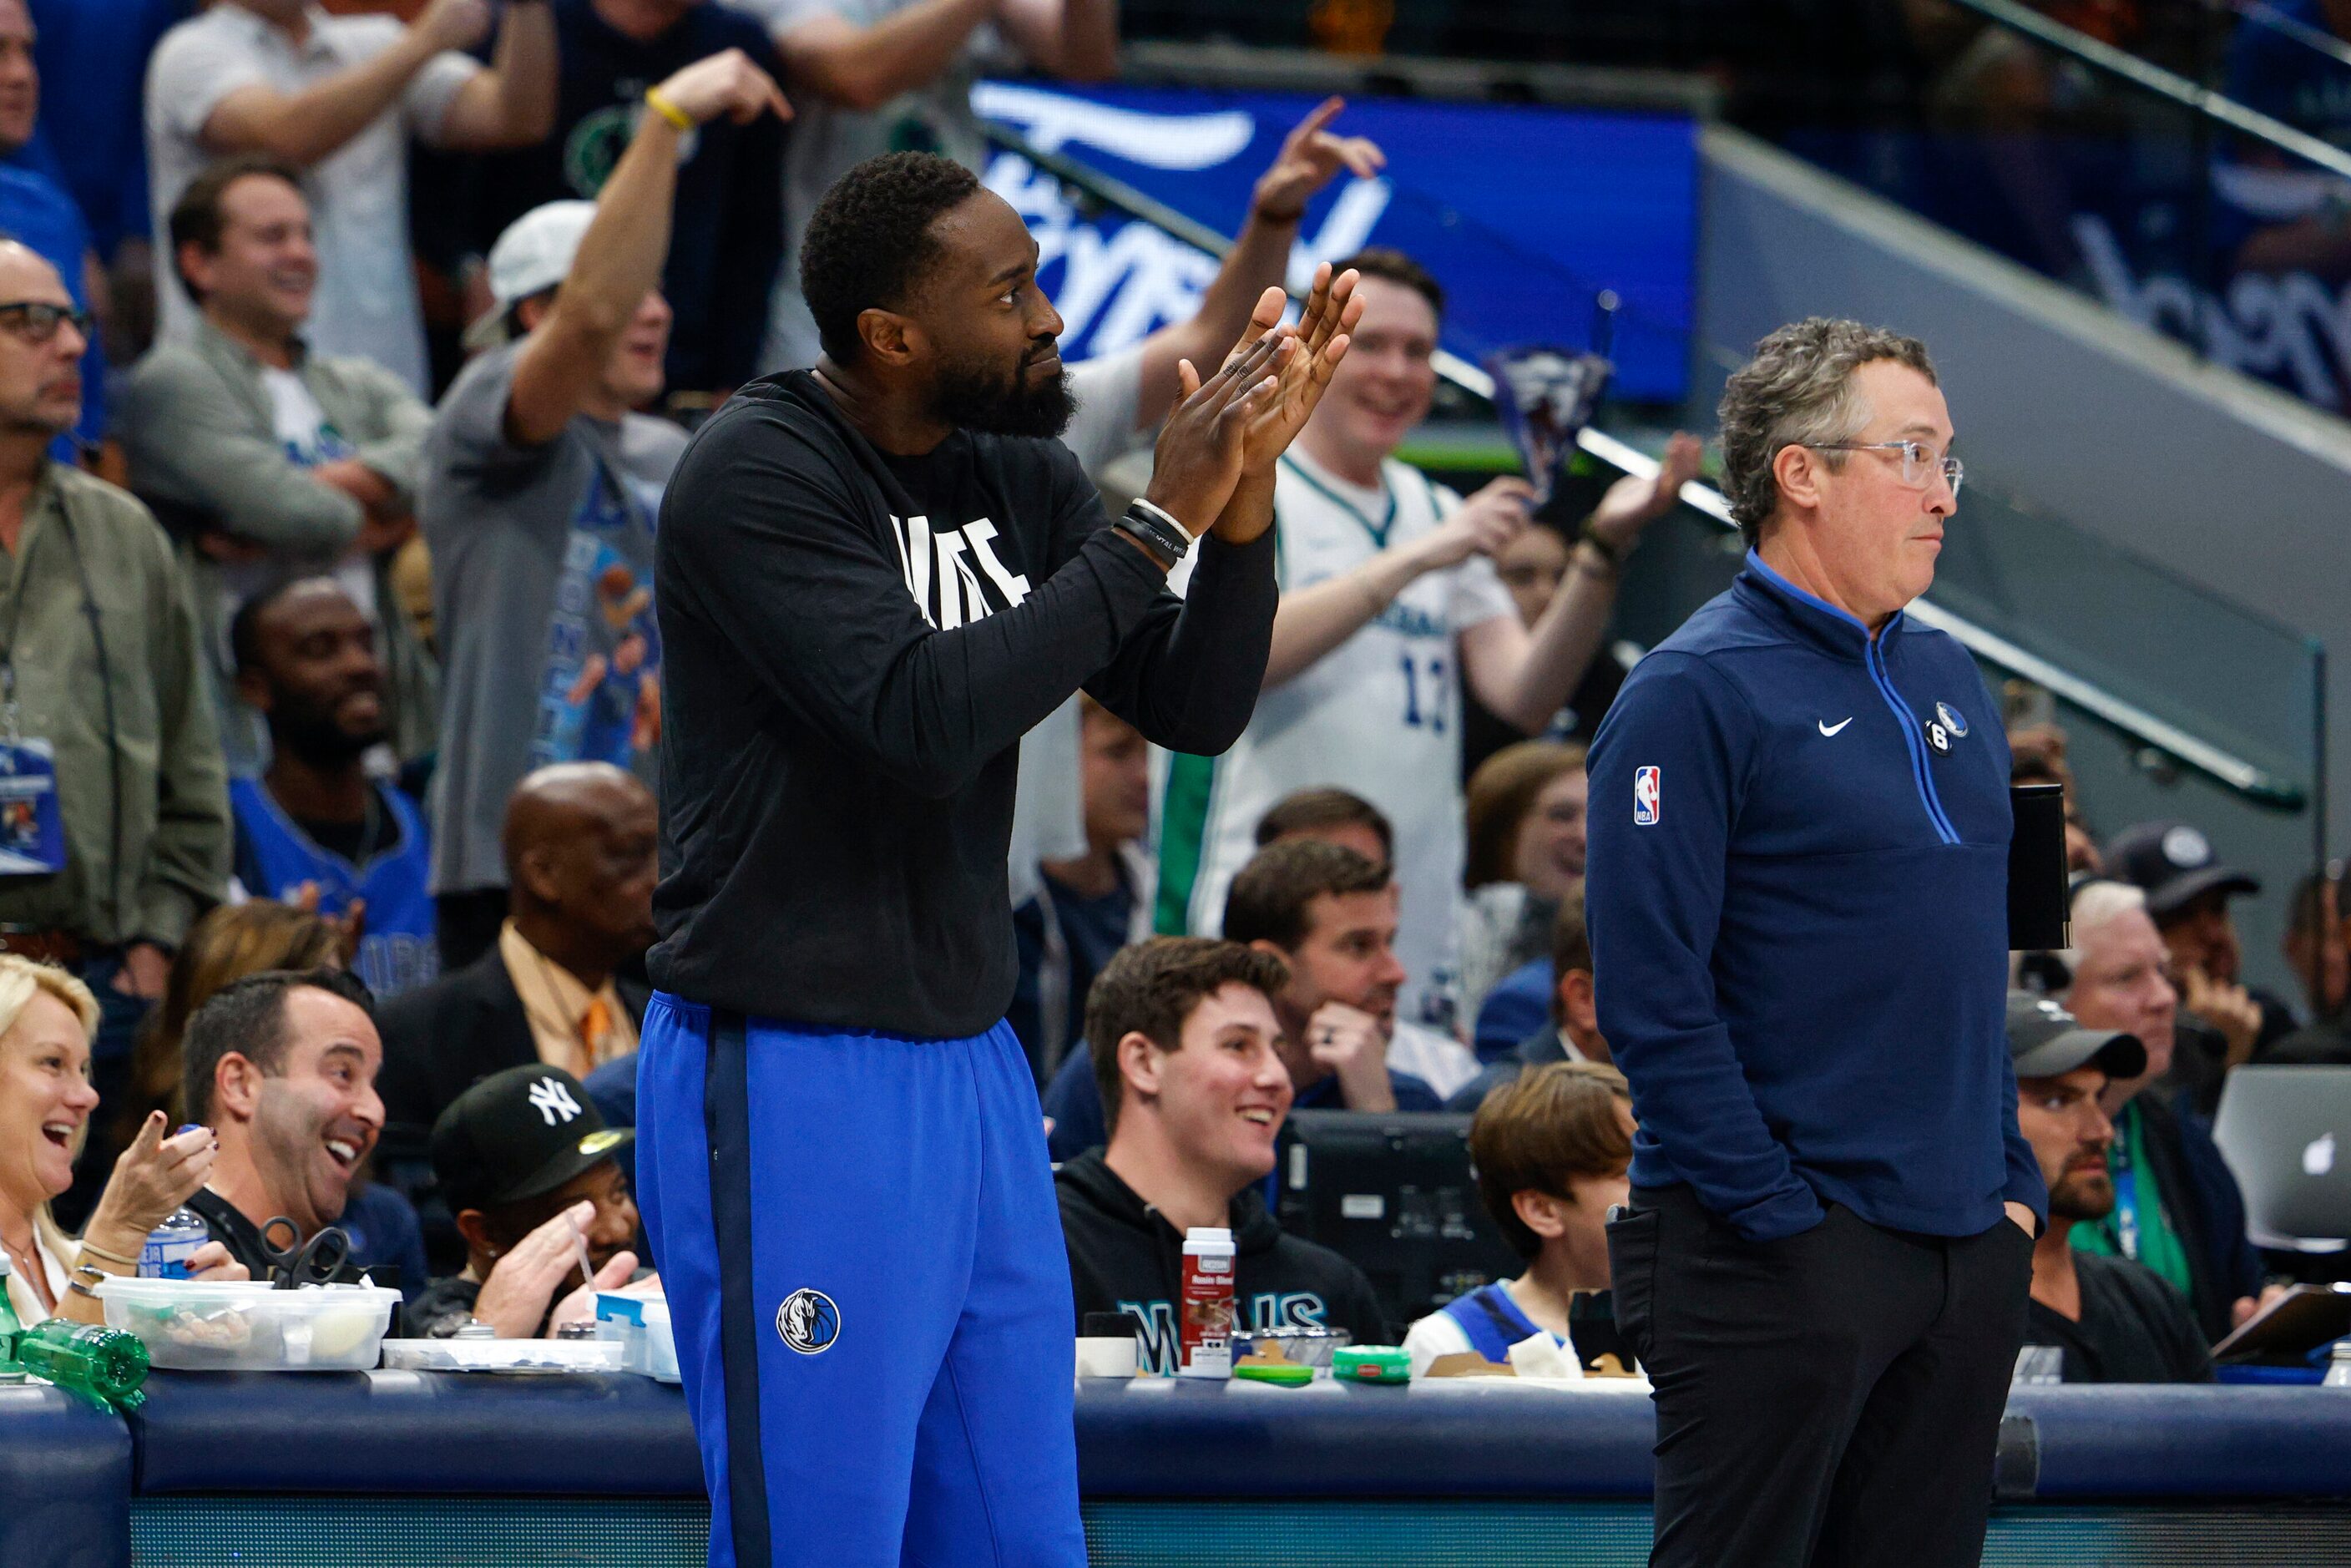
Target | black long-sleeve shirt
(854,645)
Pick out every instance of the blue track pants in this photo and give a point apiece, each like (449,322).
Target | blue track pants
(862,1255)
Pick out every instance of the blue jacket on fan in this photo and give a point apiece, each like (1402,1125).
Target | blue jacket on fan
(1797,892)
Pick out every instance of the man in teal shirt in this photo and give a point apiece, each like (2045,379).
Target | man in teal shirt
(2177,1208)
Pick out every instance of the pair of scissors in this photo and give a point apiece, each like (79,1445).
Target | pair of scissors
(313,1262)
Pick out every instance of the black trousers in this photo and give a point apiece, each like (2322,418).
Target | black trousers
(1829,1399)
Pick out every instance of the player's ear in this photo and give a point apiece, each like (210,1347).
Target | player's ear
(890,338)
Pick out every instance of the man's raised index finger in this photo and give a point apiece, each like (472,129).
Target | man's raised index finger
(1322,114)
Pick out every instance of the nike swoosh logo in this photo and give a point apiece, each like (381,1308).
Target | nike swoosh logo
(1828,729)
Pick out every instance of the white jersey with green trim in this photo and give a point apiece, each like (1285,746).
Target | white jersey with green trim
(1379,714)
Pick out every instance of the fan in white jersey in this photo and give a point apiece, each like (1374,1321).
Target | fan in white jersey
(1388,600)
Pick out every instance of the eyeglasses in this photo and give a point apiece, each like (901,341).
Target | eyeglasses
(1917,462)
(38,320)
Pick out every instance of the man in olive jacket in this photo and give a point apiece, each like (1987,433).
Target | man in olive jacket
(270,459)
(114,825)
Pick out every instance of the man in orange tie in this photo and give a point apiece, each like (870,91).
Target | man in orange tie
(579,844)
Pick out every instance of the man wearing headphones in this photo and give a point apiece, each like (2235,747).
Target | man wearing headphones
(114,825)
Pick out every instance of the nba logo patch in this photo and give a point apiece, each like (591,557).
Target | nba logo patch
(1648,796)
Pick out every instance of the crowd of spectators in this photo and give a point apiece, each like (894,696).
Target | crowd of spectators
(341,691)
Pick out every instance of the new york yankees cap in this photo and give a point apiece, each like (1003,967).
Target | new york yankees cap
(517,1134)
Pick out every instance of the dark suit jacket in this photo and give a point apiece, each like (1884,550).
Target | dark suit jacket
(440,1039)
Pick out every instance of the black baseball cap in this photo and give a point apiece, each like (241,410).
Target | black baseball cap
(2173,862)
(517,1134)
(2044,1041)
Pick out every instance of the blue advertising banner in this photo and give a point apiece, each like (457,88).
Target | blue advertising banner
(1523,213)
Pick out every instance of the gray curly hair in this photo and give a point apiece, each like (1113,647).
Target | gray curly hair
(1798,391)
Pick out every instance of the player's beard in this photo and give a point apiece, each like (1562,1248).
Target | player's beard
(973,394)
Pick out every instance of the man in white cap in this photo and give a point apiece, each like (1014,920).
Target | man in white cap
(540,492)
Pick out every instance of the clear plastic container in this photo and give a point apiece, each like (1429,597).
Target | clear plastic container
(190,1325)
(640,1323)
(502,1355)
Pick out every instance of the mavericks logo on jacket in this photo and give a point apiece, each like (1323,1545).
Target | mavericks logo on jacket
(945,569)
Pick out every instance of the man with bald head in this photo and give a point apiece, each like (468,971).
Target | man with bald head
(315,829)
(113,810)
(579,847)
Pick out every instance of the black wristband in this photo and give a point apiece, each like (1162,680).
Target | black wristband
(1149,542)
(1166,539)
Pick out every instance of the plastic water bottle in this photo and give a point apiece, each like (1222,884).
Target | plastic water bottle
(102,1365)
(9,1329)
(2339,1365)
(1206,1327)
(168,1247)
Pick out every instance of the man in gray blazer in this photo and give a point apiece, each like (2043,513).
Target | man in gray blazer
(269,459)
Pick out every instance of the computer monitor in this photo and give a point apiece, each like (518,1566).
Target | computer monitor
(1394,1195)
(2286,1132)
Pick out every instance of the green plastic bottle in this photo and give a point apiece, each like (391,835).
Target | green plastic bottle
(100,1364)
(9,1329)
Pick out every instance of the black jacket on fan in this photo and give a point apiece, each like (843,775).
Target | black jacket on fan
(854,645)
(1125,1257)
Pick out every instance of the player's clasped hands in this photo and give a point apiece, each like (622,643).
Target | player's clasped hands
(1240,420)
(1196,464)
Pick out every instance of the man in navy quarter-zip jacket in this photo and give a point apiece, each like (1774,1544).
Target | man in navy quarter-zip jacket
(1797,899)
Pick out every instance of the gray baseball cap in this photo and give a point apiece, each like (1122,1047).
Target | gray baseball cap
(2044,1041)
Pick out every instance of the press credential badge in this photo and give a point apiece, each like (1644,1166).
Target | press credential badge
(32,830)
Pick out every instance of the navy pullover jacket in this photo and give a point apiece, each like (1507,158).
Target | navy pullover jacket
(1797,892)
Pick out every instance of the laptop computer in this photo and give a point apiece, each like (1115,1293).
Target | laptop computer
(2286,1134)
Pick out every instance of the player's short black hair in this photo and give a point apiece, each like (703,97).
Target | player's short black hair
(869,241)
